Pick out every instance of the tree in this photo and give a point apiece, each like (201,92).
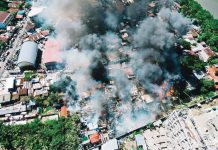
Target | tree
(3,5)
(53,98)
(209,25)
(28,5)
(72,128)
(192,63)
(2,45)
(185,44)
(53,134)
(213,60)
(206,86)
(216,73)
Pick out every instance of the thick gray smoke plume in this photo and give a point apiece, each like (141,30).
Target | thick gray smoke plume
(88,29)
(153,33)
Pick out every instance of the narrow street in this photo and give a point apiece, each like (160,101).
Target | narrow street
(13,50)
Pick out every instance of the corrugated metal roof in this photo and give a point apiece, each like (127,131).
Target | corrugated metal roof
(140,141)
(51,52)
(3,16)
(28,54)
(64,111)
(10,83)
(110,145)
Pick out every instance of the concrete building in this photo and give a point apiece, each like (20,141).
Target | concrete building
(10,83)
(5,19)
(5,97)
(13,109)
(35,11)
(184,130)
(140,142)
(28,55)
(110,145)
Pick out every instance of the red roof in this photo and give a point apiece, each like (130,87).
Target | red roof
(95,138)
(212,74)
(19,16)
(51,52)
(3,16)
(64,111)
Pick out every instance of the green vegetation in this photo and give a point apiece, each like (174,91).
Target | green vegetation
(209,25)
(150,126)
(192,63)
(213,60)
(3,5)
(186,45)
(208,34)
(28,75)
(206,86)
(53,98)
(216,73)
(28,5)
(2,44)
(55,135)
(21,6)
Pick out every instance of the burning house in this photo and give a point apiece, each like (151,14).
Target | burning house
(130,94)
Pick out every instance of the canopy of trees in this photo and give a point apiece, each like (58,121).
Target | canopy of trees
(192,63)
(3,5)
(209,25)
(206,86)
(185,44)
(213,60)
(55,135)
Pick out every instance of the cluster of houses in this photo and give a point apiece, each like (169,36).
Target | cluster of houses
(7,18)
(16,102)
(203,52)
(18,85)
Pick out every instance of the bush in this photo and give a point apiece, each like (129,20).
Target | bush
(206,86)
(216,73)
(213,60)
(28,75)
(185,44)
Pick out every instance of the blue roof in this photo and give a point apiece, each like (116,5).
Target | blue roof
(21,12)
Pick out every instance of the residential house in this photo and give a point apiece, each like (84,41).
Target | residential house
(140,142)
(5,97)
(110,145)
(212,74)
(5,19)
(64,112)
(13,109)
(95,138)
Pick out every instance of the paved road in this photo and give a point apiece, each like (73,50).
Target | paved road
(13,50)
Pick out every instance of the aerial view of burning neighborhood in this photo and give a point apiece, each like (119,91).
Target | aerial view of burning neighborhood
(108,75)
